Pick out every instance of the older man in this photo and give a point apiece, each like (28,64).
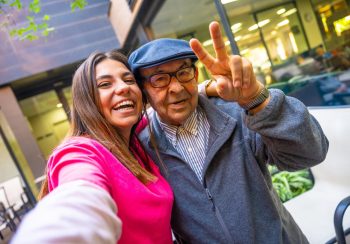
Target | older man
(216,152)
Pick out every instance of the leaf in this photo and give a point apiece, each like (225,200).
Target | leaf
(30,32)
(31,37)
(20,32)
(32,27)
(78,4)
(17,4)
(47,31)
(46,17)
(13,32)
(42,26)
(30,18)
(34,6)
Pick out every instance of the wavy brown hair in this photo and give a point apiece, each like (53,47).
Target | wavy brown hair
(87,118)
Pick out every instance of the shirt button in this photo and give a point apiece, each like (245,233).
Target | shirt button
(189,149)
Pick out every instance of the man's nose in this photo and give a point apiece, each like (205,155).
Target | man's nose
(175,85)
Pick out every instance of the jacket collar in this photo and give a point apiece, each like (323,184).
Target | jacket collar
(221,124)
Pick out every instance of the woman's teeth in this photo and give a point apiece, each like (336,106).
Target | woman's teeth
(124,105)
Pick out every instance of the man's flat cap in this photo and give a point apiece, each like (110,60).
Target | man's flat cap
(158,52)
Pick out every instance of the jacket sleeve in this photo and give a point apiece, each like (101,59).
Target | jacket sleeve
(286,134)
(75,212)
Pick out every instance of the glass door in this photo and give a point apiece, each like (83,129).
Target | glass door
(282,33)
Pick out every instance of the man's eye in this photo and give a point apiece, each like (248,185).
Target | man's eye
(183,73)
(185,70)
(160,78)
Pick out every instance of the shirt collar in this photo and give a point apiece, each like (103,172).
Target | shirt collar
(172,131)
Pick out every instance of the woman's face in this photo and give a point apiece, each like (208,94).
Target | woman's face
(120,97)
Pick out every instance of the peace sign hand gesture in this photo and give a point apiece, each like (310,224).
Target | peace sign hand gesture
(234,74)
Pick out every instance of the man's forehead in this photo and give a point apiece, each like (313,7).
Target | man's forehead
(166,67)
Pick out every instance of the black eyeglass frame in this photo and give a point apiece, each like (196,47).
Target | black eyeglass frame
(171,74)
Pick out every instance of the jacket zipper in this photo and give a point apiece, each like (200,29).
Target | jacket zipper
(218,214)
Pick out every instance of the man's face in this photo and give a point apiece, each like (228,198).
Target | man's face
(175,102)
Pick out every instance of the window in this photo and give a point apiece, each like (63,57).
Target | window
(334,20)
(47,119)
(282,32)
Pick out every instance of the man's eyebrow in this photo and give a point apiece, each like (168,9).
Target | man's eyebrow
(160,71)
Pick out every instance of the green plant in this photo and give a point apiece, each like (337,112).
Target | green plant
(34,26)
(291,184)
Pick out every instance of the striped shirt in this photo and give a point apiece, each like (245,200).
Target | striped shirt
(190,139)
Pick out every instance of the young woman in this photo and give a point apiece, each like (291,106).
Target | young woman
(101,167)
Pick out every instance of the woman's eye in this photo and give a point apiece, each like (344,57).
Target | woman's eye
(130,81)
(103,84)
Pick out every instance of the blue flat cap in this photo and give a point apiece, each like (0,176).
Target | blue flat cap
(158,52)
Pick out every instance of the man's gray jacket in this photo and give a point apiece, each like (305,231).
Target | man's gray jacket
(235,202)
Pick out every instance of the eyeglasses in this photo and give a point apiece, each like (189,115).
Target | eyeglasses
(163,79)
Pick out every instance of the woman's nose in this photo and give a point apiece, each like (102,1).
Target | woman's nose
(121,88)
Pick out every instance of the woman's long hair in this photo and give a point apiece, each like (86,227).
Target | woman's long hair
(88,120)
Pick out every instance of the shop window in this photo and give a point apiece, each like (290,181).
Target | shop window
(334,20)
